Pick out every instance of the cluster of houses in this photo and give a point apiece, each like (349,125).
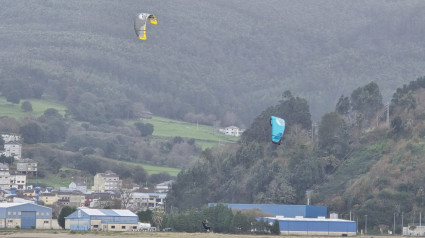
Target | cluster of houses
(15,178)
(107,191)
(29,206)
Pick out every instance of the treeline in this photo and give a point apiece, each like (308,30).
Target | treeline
(219,218)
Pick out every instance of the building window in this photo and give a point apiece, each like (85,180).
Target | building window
(38,213)
(10,221)
(95,226)
(45,222)
(42,213)
(112,227)
(14,213)
(123,227)
(19,213)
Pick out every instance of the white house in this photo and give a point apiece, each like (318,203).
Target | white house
(10,180)
(27,166)
(18,181)
(79,186)
(232,131)
(143,201)
(163,187)
(12,149)
(4,176)
(10,138)
(12,146)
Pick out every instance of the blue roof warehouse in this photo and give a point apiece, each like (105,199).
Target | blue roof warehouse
(102,220)
(302,219)
(25,216)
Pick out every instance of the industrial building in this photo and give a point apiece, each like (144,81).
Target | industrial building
(302,219)
(102,220)
(315,226)
(25,216)
(306,211)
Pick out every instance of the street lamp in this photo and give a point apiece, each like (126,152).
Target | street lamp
(365,226)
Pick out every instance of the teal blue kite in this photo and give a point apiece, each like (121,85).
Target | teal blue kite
(278,128)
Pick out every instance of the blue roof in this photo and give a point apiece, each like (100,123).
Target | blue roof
(307,211)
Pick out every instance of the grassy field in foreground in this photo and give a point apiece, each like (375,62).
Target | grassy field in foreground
(95,234)
(205,136)
(38,106)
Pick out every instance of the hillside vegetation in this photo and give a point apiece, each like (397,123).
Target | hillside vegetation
(67,149)
(355,166)
(211,61)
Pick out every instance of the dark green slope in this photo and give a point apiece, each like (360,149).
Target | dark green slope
(213,57)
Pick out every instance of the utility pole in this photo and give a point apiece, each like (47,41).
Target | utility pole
(388,114)
(402,225)
(394,225)
(365,226)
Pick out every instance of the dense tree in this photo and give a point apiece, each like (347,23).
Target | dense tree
(397,125)
(65,211)
(7,159)
(139,176)
(31,133)
(275,229)
(145,216)
(146,129)
(367,99)
(333,135)
(13,97)
(26,106)
(343,105)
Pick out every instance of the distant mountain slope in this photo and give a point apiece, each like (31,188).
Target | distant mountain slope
(229,59)
(378,175)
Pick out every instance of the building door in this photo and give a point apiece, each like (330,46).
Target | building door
(28,220)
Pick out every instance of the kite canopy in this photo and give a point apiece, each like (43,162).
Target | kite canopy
(278,128)
(140,24)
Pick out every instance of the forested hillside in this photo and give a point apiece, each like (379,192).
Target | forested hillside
(358,164)
(211,61)
(223,63)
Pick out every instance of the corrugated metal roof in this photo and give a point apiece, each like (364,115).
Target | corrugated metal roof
(279,218)
(108,212)
(281,209)
(127,213)
(10,204)
(93,212)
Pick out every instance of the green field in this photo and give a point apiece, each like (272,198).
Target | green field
(53,180)
(205,136)
(164,128)
(38,106)
(150,169)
